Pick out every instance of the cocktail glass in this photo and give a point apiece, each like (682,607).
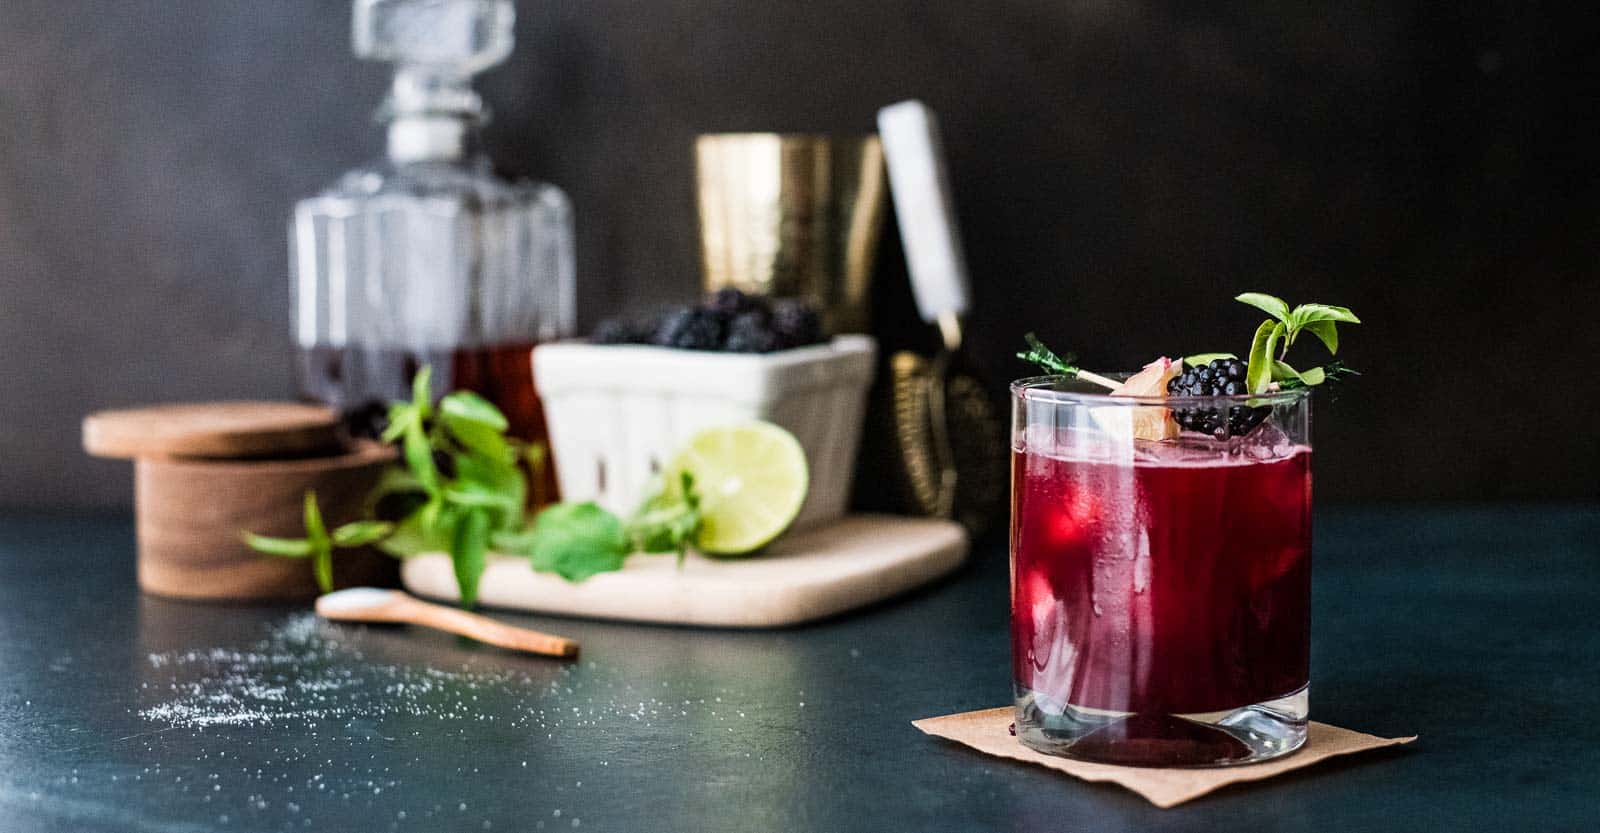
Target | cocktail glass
(1160,589)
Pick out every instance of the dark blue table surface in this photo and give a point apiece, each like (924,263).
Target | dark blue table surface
(1475,628)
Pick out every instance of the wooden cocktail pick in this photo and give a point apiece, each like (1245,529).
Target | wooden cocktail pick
(372,604)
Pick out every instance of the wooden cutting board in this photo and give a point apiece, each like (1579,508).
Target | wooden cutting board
(808,575)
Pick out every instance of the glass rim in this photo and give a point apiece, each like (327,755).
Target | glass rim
(1043,389)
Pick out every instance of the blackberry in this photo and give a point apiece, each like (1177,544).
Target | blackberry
(1220,377)
(621,331)
(691,328)
(733,302)
(796,324)
(751,332)
(368,420)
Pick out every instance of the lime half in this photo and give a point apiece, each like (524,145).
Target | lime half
(751,479)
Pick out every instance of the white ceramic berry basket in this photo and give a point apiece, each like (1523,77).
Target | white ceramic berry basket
(617,413)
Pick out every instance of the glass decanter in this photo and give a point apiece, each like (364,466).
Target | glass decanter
(427,257)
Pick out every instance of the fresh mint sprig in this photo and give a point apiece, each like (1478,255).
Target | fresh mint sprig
(319,544)
(461,473)
(1277,334)
(1044,357)
(465,483)
(579,540)
(668,521)
(572,540)
(462,490)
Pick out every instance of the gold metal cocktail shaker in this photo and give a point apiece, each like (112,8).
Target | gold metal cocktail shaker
(790,215)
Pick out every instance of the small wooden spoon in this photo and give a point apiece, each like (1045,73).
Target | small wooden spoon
(372,604)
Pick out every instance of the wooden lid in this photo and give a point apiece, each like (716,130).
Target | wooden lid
(214,430)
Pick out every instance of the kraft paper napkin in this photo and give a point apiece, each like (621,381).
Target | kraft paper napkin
(989,731)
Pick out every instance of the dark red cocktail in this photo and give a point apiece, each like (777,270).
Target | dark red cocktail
(1160,589)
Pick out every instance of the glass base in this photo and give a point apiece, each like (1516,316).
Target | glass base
(1245,735)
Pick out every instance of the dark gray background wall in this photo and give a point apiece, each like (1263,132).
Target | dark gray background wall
(1122,169)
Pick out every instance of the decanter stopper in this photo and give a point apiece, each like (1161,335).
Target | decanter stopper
(436,47)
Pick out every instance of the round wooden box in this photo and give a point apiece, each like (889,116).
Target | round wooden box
(204,474)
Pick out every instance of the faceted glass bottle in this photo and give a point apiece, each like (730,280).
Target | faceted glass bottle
(426,257)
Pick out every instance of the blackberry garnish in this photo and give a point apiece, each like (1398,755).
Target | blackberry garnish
(1219,377)
(796,324)
(751,332)
(691,328)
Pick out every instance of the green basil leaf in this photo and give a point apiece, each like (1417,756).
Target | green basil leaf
(1199,359)
(668,521)
(281,547)
(665,527)
(469,552)
(322,566)
(469,493)
(1282,372)
(498,477)
(466,406)
(513,542)
(316,532)
(412,537)
(422,392)
(400,416)
(419,457)
(1306,313)
(361,533)
(480,439)
(1325,331)
(1314,376)
(587,520)
(575,541)
(437,515)
(1273,306)
(1259,372)
(501,473)
(686,488)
